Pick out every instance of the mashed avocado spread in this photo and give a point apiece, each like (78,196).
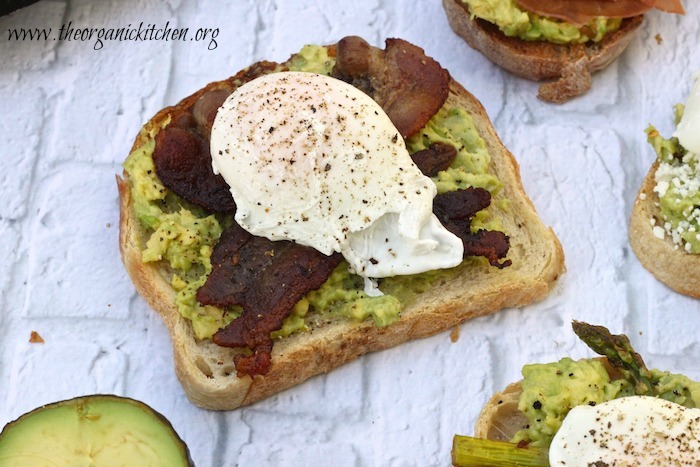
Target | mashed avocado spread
(550,390)
(514,22)
(678,188)
(183,235)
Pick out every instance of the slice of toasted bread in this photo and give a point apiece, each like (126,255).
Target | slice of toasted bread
(567,67)
(207,372)
(664,259)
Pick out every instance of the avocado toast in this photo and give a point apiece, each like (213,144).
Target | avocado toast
(313,341)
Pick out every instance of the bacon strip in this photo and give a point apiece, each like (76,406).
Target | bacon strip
(183,163)
(456,209)
(670,6)
(437,157)
(267,279)
(580,12)
(181,155)
(410,86)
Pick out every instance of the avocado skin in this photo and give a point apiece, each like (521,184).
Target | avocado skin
(8,6)
(92,410)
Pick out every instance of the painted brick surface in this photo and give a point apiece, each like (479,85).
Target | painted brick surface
(58,265)
(70,116)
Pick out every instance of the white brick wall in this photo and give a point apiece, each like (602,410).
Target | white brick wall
(70,114)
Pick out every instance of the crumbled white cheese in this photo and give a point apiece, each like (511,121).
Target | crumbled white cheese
(678,180)
(659,232)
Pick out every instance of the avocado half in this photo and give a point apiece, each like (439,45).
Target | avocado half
(95,430)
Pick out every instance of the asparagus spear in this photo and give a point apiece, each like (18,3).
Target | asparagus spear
(620,354)
(470,452)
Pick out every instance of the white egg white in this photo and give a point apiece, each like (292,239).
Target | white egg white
(315,160)
(688,130)
(637,430)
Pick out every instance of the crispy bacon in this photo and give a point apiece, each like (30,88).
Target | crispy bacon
(580,12)
(181,155)
(267,279)
(437,157)
(670,6)
(204,110)
(456,209)
(410,86)
(183,163)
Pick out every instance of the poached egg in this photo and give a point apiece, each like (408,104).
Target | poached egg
(312,159)
(687,129)
(629,431)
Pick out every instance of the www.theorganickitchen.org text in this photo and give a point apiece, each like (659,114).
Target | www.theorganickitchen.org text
(98,37)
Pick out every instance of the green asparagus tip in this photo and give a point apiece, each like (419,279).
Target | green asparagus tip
(620,354)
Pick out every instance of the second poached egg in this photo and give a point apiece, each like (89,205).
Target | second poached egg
(635,430)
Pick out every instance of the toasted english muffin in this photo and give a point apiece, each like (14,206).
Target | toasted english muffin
(664,259)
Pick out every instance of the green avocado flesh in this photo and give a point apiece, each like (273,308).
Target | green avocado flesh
(550,390)
(676,188)
(183,235)
(92,431)
(514,22)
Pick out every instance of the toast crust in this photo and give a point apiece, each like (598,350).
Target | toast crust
(500,418)
(664,259)
(206,371)
(567,68)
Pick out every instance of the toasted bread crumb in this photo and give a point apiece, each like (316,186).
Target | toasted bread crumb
(35,338)
(454,334)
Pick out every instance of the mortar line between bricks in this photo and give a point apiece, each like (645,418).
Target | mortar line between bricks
(632,173)
(17,277)
(259,27)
